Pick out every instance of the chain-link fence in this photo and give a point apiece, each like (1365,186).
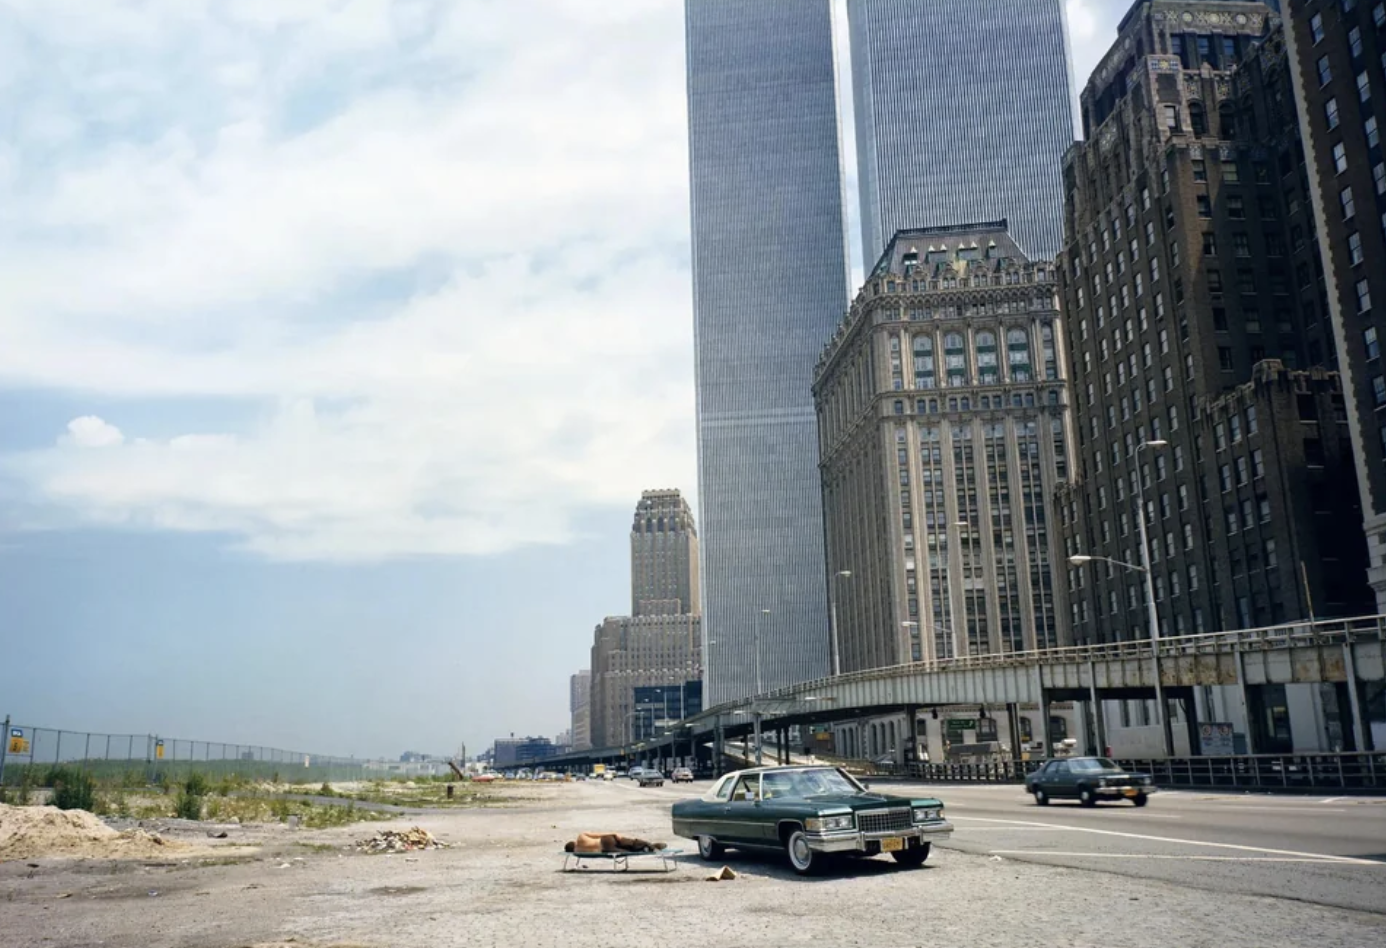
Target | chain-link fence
(28,753)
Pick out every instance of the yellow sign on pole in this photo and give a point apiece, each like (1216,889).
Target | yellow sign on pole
(159,750)
(19,744)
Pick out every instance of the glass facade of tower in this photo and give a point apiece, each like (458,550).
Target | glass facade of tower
(964,109)
(769,285)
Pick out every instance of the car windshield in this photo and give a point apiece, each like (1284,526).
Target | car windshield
(1093,765)
(808,783)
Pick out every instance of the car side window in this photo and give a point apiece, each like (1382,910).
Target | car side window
(723,791)
(746,788)
(1060,768)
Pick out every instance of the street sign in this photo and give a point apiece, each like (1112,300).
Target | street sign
(1216,740)
(19,744)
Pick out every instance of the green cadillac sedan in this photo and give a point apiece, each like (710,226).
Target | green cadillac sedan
(809,813)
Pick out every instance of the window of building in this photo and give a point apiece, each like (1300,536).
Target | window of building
(1379,176)
(1373,135)
(1369,341)
(1379,390)
(1230,174)
(1330,113)
(1364,87)
(1225,477)
(1236,207)
(1200,168)
(1364,297)
(1355,42)
(1171,114)
(1325,71)
(1316,27)
(1345,199)
(1355,248)
(987,371)
(1210,245)
(1379,15)
(955,359)
(1214,281)
(1241,245)
(1205,207)
(1340,158)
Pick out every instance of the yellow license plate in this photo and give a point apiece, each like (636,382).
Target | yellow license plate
(1130,792)
(893,845)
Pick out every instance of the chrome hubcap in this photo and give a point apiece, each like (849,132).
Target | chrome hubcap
(799,849)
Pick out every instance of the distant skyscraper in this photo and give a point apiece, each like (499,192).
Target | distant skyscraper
(661,642)
(964,109)
(769,285)
(663,556)
(579,706)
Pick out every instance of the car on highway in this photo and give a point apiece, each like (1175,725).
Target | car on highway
(1088,780)
(649,777)
(681,775)
(810,813)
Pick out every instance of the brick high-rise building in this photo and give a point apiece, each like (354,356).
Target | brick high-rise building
(1197,335)
(661,643)
(663,556)
(1339,74)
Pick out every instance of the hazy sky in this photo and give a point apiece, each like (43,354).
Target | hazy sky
(337,341)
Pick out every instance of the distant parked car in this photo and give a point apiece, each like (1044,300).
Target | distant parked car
(1088,780)
(682,775)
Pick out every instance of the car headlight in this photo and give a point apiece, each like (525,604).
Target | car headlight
(1146,781)
(928,814)
(1102,781)
(821,824)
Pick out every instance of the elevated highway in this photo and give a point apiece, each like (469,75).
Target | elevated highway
(1345,652)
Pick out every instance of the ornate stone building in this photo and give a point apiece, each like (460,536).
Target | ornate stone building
(942,412)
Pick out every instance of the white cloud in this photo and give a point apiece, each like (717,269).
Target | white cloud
(90,431)
(460,292)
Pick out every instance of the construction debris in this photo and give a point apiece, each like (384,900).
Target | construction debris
(400,841)
(725,872)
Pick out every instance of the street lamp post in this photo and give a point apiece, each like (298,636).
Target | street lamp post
(832,616)
(1152,614)
(759,687)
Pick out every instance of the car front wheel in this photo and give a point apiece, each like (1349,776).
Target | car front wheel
(1087,797)
(801,856)
(913,857)
(1041,798)
(1140,799)
(709,849)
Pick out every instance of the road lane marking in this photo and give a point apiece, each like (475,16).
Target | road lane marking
(1281,809)
(1042,852)
(1324,857)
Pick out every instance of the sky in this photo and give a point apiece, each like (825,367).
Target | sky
(338,339)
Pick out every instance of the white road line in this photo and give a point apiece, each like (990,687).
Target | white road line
(1323,857)
(1281,809)
(1330,800)
(1042,852)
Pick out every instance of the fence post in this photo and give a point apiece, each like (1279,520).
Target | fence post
(4,748)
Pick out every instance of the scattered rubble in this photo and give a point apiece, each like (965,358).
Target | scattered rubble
(33,831)
(400,841)
(726,872)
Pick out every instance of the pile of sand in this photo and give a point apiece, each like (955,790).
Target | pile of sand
(28,832)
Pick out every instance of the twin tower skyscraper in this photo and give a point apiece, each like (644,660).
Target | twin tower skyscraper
(963,111)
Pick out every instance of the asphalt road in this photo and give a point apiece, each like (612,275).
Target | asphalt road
(1328,851)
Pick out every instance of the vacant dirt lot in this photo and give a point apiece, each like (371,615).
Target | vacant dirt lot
(499,884)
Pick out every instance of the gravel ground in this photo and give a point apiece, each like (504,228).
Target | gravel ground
(499,884)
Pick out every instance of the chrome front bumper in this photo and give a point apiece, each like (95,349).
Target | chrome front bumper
(855,841)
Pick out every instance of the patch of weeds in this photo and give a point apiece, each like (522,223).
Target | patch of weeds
(72,789)
(191,791)
(326,790)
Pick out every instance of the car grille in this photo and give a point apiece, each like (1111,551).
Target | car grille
(885,821)
(1123,781)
